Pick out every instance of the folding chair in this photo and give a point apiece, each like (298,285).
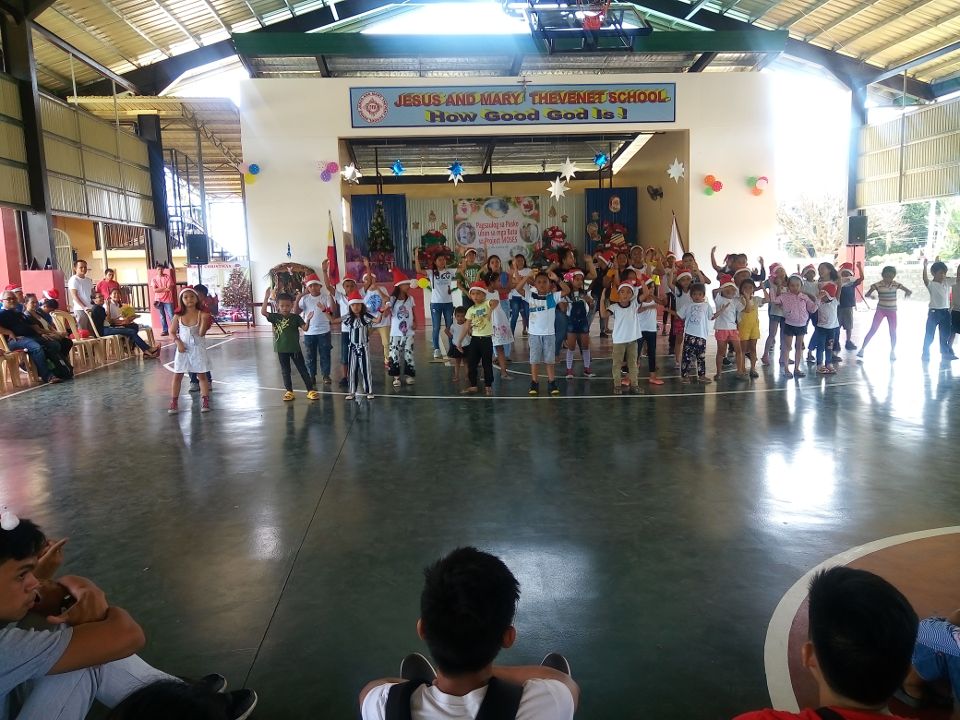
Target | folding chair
(12,360)
(90,352)
(115,343)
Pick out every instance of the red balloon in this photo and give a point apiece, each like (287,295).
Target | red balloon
(717,186)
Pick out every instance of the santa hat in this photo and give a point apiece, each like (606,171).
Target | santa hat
(724,277)
(685,273)
(740,271)
(617,238)
(347,278)
(809,267)
(399,278)
(846,268)
(636,247)
(626,284)
(670,254)
(468,251)
(51,294)
(478,285)
(727,281)
(368,275)
(354,298)
(798,276)
(311,279)
(13,288)
(607,256)
(569,275)
(774,267)
(647,280)
(830,289)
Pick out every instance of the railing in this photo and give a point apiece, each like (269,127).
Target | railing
(122,237)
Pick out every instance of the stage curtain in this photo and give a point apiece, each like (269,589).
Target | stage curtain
(598,210)
(362,208)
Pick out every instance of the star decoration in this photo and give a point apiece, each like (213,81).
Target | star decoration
(456,172)
(675,171)
(600,159)
(557,188)
(351,174)
(568,169)
(397,168)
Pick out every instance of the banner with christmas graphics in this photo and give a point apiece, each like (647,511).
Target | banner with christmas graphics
(504,226)
(229,293)
(510,106)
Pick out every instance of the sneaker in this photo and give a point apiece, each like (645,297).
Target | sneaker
(569,373)
(205,404)
(436,354)
(288,396)
(327,380)
(754,374)
(313,395)
(604,335)
(554,390)
(195,387)
(348,397)
(214,683)
(860,355)
(557,662)
(371,396)
(850,345)
(416,667)
(241,704)
(174,407)
(409,381)
(534,389)
(396,382)
(587,372)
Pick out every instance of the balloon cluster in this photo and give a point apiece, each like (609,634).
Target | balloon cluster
(250,172)
(711,185)
(328,170)
(758,184)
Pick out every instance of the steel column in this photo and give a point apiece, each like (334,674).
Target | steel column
(158,247)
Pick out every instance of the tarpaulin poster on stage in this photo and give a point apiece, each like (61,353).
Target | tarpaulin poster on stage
(504,226)
(230,296)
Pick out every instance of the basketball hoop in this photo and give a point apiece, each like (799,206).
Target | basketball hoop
(592,14)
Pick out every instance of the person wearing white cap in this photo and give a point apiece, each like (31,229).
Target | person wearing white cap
(626,332)
(725,328)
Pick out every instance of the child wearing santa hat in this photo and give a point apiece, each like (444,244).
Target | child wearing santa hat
(626,332)
(579,305)
(315,303)
(340,295)
(356,326)
(377,300)
(402,326)
(776,284)
(647,325)
(480,330)
(725,326)
(826,337)
(679,292)
(848,299)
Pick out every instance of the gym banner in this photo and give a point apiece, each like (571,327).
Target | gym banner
(504,226)
(510,105)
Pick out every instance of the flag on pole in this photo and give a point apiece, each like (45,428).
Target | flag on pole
(334,270)
(676,243)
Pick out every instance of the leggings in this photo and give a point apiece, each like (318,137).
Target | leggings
(878,317)
(480,350)
(298,360)
(694,353)
(648,338)
(359,372)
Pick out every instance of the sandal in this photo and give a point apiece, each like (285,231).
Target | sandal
(470,391)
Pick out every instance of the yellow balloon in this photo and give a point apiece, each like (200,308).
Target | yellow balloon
(249,179)
(423,283)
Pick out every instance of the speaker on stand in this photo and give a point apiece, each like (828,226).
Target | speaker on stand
(857,239)
(198,249)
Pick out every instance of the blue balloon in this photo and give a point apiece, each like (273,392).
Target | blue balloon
(254,169)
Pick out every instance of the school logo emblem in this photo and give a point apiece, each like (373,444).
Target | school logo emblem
(372,107)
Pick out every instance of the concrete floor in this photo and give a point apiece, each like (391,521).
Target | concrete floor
(283,544)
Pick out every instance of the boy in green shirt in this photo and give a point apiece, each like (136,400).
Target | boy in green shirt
(286,342)
(467,274)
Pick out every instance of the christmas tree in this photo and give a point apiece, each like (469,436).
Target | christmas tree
(379,240)
(236,293)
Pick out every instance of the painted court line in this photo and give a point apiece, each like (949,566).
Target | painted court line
(775,648)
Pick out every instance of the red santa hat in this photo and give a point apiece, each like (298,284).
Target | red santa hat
(741,271)
(636,247)
(399,278)
(846,268)
(727,281)
(647,280)
(354,298)
(830,289)
(13,288)
(774,267)
(809,267)
(626,284)
(478,285)
(347,278)
(671,254)
(51,294)
(570,274)
(311,279)
(685,274)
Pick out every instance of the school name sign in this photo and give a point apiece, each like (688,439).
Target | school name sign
(508,105)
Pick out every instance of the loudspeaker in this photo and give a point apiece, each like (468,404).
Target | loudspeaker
(198,250)
(857,231)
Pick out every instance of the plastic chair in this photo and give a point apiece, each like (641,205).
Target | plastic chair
(89,352)
(12,360)
(116,343)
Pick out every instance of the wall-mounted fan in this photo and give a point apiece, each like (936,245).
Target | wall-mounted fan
(655,192)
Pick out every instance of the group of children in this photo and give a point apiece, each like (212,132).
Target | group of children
(627,289)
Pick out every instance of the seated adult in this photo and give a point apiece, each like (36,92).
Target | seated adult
(115,316)
(88,654)
(18,291)
(935,665)
(21,334)
(467,607)
(98,315)
(862,632)
(43,321)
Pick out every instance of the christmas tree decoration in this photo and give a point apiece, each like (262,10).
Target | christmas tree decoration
(557,188)
(397,168)
(237,294)
(456,172)
(676,170)
(568,169)
(351,174)
(379,240)
(600,160)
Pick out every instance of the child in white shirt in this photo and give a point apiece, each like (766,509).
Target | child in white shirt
(459,339)
(696,328)
(726,327)
(626,332)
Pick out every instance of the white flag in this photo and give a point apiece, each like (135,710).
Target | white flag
(676,247)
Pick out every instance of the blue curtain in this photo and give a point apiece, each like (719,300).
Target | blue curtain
(598,210)
(362,208)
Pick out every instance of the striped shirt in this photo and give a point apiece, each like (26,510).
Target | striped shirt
(887,295)
(939,635)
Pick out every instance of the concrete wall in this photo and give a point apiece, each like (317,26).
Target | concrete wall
(289,125)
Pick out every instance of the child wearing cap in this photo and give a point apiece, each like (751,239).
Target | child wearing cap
(626,332)
(480,329)
(826,336)
(776,284)
(190,324)
(848,299)
(315,303)
(402,326)
(680,298)
(543,303)
(356,326)
(286,342)
(726,330)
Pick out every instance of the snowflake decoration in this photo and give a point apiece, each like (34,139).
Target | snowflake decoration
(397,168)
(557,188)
(676,170)
(351,174)
(568,169)
(456,172)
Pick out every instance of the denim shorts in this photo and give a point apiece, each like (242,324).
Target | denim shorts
(542,349)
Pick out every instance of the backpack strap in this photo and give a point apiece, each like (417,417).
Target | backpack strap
(398,700)
(825,713)
(501,702)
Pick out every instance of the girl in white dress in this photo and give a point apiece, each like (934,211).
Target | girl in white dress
(190,324)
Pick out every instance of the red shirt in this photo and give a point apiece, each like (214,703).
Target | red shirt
(105,287)
(810,714)
(163,288)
